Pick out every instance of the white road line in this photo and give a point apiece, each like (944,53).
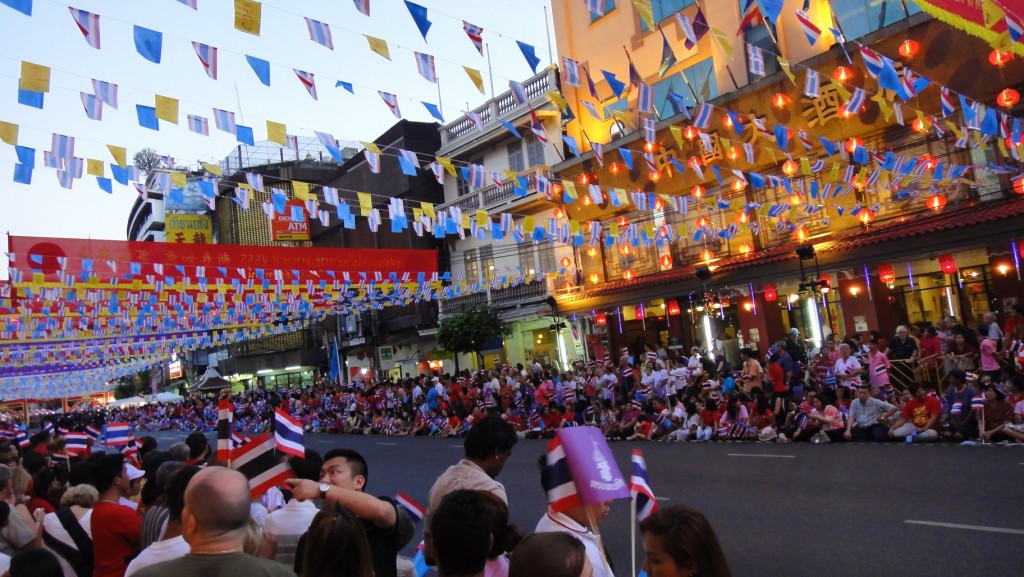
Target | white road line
(969,527)
(765,456)
(460,446)
(387,443)
(657,498)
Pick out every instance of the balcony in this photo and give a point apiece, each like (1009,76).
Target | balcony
(462,303)
(492,197)
(505,298)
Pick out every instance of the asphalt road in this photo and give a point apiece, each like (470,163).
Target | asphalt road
(816,510)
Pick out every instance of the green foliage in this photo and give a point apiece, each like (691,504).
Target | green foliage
(466,332)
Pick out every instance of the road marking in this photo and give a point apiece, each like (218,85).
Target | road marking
(765,456)
(460,446)
(969,527)
(657,498)
(387,443)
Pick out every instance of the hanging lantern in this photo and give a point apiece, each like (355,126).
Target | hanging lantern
(592,252)
(583,179)
(587,201)
(673,308)
(909,48)
(733,154)
(594,277)
(706,255)
(559,213)
(639,313)
(691,132)
(648,147)
(1008,98)
(654,175)
(622,221)
(746,248)
(770,294)
(929,162)
(842,74)
(999,57)
(727,121)
(885,273)
(614,168)
(695,161)
(936,203)
(796,199)
(626,250)
(665,260)
(790,167)
(629,274)
(738,185)
(565,262)
(947,263)
(659,204)
(557,188)
(780,100)
(852,144)
(801,233)
(703,222)
(601,319)
(697,191)
(865,216)
(920,125)
(1018,185)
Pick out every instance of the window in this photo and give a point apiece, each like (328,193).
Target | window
(701,77)
(526,258)
(534,150)
(471,266)
(487,261)
(860,17)
(664,8)
(620,105)
(515,157)
(609,5)
(547,259)
(759,36)
(461,185)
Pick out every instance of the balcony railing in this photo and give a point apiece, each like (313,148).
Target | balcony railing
(462,303)
(492,196)
(506,297)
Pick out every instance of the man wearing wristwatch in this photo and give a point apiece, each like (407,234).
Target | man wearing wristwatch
(343,480)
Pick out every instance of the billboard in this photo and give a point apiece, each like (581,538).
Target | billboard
(189,199)
(188,228)
(284,227)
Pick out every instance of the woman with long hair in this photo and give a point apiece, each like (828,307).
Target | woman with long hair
(679,542)
(336,545)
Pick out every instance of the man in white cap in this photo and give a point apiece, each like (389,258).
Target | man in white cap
(134,485)
(795,346)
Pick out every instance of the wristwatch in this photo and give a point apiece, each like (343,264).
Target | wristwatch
(324,487)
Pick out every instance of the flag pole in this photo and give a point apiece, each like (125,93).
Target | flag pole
(597,533)
(440,104)
(632,535)
(490,71)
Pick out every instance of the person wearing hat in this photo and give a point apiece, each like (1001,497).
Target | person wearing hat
(134,486)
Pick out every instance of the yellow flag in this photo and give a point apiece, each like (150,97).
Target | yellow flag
(248,14)
(119,153)
(622,196)
(447,164)
(834,173)
(213,169)
(805,165)
(613,229)
(94,167)
(417,214)
(556,97)
(276,133)
(378,45)
(365,203)
(528,225)
(35,77)
(167,109)
(843,92)
(465,220)
(569,189)
(301,190)
(724,42)
(574,227)
(623,116)
(428,209)
(370,146)
(646,11)
(883,106)
(481,219)
(1001,144)
(784,65)
(9,133)
(677,135)
(178,179)
(511,174)
(474,75)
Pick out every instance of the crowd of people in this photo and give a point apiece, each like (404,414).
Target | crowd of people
(184,513)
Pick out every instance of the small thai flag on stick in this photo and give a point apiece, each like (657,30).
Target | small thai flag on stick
(415,509)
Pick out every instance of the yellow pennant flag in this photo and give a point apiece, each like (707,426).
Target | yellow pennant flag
(167,109)
(834,173)
(1001,145)
(574,227)
(784,65)
(9,133)
(511,174)
(622,196)
(883,105)
(805,165)
(94,167)
(724,42)
(528,225)
(428,209)
(556,97)
(646,12)
(276,133)
(365,203)
(474,75)
(213,169)
(417,214)
(569,189)
(301,190)
(980,141)
(677,135)
(370,146)
(248,15)
(623,116)
(35,77)
(465,220)
(178,179)
(613,229)
(843,92)
(378,45)
(120,155)
(481,219)
(447,164)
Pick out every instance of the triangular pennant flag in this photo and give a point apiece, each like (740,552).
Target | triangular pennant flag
(529,53)
(149,43)
(261,68)
(475,76)
(475,34)
(88,24)
(248,16)
(434,111)
(207,57)
(120,155)
(306,78)
(419,16)
(378,45)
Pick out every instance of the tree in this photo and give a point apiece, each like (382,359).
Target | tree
(146,160)
(468,331)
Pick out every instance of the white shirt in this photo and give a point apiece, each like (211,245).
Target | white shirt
(54,528)
(5,563)
(293,519)
(843,369)
(158,552)
(128,503)
(555,522)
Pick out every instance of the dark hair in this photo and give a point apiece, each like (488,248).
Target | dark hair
(505,536)
(355,461)
(336,545)
(175,494)
(35,563)
(550,554)
(147,445)
(80,473)
(5,513)
(42,482)
(960,375)
(197,444)
(152,491)
(689,539)
(107,468)
(461,530)
(489,436)
(307,467)
(914,388)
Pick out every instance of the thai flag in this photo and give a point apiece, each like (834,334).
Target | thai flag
(948,107)
(557,479)
(415,509)
(537,127)
(372,159)
(93,432)
(751,17)
(77,442)
(22,438)
(873,60)
(978,403)
(645,99)
(320,33)
(207,57)
(650,133)
(306,78)
(703,116)
(475,34)
(1015,25)
(571,71)
(225,121)
(856,102)
(193,4)
(131,451)
(425,66)
(60,458)
(237,440)
(89,24)
(755,59)
(118,434)
(598,149)
(199,125)
(596,7)
(288,434)
(256,460)
(62,146)
(518,92)
(93,106)
(438,171)
(810,29)
(106,92)
(363,6)
(475,119)
(477,176)
(255,180)
(392,101)
(47,427)
(812,84)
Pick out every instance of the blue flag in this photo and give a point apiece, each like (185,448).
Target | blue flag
(771,9)
(30,98)
(244,135)
(22,174)
(147,117)
(510,127)
(261,68)
(530,54)
(614,83)
(335,364)
(23,6)
(627,157)
(345,85)
(431,108)
(149,43)
(120,174)
(26,156)
(419,15)
(105,184)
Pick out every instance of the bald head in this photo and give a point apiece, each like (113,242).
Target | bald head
(218,499)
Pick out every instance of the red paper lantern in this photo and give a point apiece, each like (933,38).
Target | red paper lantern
(654,175)
(592,252)
(842,74)
(825,284)
(909,48)
(801,233)
(1018,185)
(614,168)
(885,273)
(947,263)
(601,319)
(1008,97)
(703,222)
(790,167)
(770,294)
(629,274)
(999,58)
(565,262)
(865,216)
(673,308)
(697,191)
(706,255)
(780,100)
(936,203)
(746,248)
(622,221)
(665,260)
(691,132)
(852,144)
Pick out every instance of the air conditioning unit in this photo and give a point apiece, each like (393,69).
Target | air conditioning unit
(352,324)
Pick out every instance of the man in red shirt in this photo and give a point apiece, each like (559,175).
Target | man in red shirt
(115,528)
(919,419)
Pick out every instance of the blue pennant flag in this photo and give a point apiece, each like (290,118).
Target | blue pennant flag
(433,110)
(149,43)
(22,174)
(26,155)
(614,83)
(105,184)
(510,127)
(147,117)
(627,157)
(771,9)
(23,6)
(345,85)
(782,136)
(244,135)
(530,54)
(571,143)
(830,147)
(990,124)
(261,68)
(419,15)
(30,98)
(120,174)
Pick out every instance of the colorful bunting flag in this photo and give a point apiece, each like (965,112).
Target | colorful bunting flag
(106,92)
(23,6)
(167,109)
(529,53)
(306,78)
(425,66)
(751,17)
(319,32)
(419,16)
(199,125)
(475,76)
(147,117)
(475,34)
(392,101)
(225,120)
(378,45)
(434,111)
(89,24)
(810,29)
(363,6)
(149,43)
(248,16)
(207,57)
